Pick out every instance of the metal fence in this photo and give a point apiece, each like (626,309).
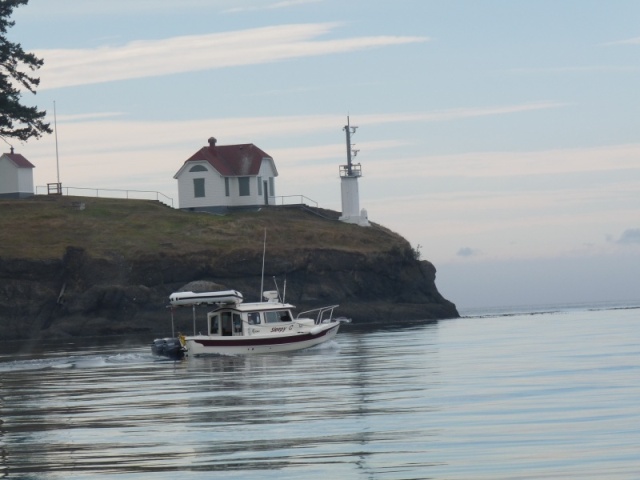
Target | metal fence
(295,200)
(58,189)
(105,193)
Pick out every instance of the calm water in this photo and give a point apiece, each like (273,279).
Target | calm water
(553,395)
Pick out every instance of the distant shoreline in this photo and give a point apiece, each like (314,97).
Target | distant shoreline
(509,310)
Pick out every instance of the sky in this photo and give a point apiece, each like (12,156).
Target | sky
(500,137)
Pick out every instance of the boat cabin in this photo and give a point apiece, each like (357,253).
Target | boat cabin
(252,319)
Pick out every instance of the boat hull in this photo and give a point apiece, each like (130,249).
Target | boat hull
(243,345)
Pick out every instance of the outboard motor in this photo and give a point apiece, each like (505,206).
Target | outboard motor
(168,347)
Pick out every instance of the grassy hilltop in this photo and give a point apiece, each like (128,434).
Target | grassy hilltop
(42,227)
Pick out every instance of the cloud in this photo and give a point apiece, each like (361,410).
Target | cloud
(82,117)
(576,69)
(271,6)
(467,252)
(149,58)
(77,8)
(107,131)
(630,236)
(518,163)
(628,41)
(458,113)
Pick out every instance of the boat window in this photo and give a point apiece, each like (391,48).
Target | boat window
(215,325)
(237,324)
(227,327)
(253,318)
(277,316)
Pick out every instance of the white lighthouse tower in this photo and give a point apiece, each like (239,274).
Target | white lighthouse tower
(349,174)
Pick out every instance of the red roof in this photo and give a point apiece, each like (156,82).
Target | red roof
(232,160)
(19,160)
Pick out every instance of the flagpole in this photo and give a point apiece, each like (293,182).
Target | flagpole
(55,129)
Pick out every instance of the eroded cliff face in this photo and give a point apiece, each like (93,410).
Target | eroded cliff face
(79,295)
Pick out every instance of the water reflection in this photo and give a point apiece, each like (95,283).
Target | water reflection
(104,411)
(471,398)
(4,462)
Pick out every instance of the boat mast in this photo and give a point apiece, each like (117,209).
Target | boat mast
(264,251)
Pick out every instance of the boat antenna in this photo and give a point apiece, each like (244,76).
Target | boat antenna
(264,251)
(277,289)
(284,288)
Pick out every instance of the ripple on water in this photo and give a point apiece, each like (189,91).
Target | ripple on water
(494,397)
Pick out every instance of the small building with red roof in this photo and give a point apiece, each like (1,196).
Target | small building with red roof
(16,176)
(218,178)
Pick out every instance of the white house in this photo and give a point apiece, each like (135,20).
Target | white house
(218,178)
(16,176)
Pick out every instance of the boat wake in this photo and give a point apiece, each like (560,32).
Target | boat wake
(330,345)
(78,362)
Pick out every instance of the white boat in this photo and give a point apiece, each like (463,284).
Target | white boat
(234,327)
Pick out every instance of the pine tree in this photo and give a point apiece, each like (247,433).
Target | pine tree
(16,120)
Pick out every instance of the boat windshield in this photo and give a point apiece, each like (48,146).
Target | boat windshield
(277,316)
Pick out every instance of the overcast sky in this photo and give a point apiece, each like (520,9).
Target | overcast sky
(500,137)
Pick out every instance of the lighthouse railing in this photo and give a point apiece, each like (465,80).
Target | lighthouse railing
(356,170)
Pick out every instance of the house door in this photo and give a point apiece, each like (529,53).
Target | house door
(265,191)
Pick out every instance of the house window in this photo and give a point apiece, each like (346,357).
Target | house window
(260,186)
(272,190)
(226,186)
(198,187)
(243,185)
(198,168)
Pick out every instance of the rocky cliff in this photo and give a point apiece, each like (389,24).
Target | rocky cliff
(120,286)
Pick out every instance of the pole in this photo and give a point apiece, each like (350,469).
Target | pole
(348,130)
(55,129)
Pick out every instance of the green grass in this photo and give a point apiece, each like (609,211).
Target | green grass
(42,227)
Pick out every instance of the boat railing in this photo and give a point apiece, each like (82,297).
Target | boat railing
(319,315)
